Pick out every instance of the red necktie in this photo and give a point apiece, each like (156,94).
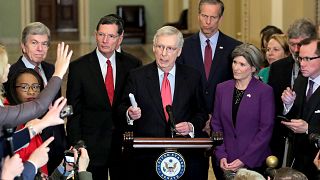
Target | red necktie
(109,82)
(207,58)
(166,94)
(37,69)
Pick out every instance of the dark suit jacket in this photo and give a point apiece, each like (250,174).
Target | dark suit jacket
(94,120)
(279,79)
(59,144)
(249,140)
(304,151)
(221,63)
(187,105)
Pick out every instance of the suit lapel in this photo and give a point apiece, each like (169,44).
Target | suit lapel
(196,48)
(246,101)
(46,70)
(120,67)
(313,104)
(94,71)
(180,86)
(218,55)
(228,101)
(154,90)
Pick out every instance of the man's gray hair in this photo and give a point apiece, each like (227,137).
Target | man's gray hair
(251,53)
(302,28)
(169,30)
(35,28)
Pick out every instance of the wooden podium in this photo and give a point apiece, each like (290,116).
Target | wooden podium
(172,143)
(171,164)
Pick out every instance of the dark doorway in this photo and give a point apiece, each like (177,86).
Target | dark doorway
(61,17)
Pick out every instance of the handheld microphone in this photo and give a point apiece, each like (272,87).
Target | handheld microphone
(171,119)
(8,132)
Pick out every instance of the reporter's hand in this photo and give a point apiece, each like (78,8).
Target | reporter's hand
(40,156)
(134,113)
(296,125)
(52,117)
(83,159)
(316,161)
(288,96)
(12,167)
(63,60)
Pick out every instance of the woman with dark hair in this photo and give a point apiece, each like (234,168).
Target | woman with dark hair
(14,115)
(17,91)
(25,86)
(244,112)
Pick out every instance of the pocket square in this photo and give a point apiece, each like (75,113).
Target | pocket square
(317,111)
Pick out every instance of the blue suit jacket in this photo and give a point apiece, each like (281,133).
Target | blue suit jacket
(29,171)
(249,140)
(221,64)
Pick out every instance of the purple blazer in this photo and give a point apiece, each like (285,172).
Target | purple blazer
(249,140)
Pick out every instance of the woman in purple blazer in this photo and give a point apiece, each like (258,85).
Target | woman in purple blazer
(244,112)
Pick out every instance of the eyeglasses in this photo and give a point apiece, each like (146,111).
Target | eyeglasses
(109,36)
(25,87)
(44,44)
(212,18)
(306,59)
(169,49)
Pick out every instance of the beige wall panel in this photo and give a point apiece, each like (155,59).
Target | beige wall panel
(231,18)
(172,10)
(259,17)
(295,9)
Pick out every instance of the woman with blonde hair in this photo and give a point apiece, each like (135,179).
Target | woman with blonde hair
(277,48)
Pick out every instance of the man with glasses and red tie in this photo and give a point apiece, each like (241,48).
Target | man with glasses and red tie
(155,86)
(35,42)
(302,107)
(94,89)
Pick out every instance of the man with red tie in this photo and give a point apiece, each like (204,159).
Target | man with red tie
(95,84)
(156,85)
(209,51)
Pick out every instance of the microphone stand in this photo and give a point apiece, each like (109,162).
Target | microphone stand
(171,120)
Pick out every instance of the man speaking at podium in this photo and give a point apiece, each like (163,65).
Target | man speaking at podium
(155,86)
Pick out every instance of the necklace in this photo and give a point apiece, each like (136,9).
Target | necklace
(238,95)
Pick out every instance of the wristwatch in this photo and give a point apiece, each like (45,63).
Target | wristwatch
(32,131)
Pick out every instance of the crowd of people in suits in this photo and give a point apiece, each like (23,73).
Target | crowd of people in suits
(265,101)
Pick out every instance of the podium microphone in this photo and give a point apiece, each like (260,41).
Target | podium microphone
(171,120)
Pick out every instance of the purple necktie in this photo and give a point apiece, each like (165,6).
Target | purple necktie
(207,58)
(310,90)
